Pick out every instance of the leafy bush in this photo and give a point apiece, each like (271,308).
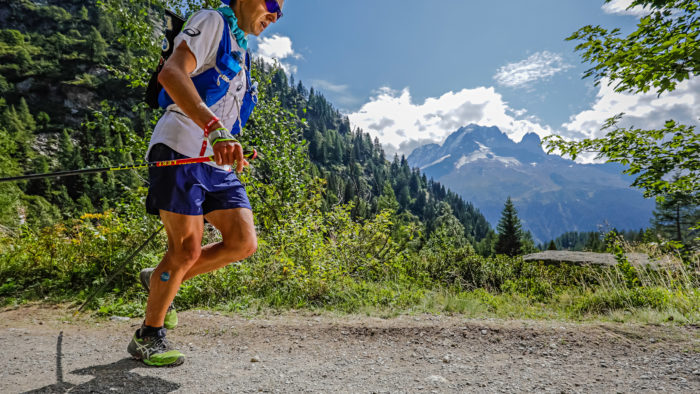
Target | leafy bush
(69,260)
(604,301)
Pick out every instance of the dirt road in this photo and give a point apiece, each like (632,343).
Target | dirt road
(45,350)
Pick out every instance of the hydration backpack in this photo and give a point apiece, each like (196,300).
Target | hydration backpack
(173,26)
(213,84)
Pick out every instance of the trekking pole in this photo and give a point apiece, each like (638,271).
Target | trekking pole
(119,270)
(249,154)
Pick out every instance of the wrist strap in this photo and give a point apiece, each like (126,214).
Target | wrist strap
(211,123)
(224,140)
(220,134)
(208,126)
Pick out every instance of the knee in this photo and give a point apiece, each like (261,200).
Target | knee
(251,245)
(242,247)
(248,245)
(186,254)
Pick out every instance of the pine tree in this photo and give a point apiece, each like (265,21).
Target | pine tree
(387,201)
(552,245)
(97,46)
(675,215)
(39,187)
(527,243)
(509,231)
(83,14)
(301,90)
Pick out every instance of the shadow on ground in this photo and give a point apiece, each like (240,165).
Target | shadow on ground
(111,378)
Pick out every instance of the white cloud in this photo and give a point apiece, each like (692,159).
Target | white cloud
(621,7)
(277,48)
(646,111)
(401,124)
(539,66)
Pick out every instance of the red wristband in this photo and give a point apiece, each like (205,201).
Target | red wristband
(211,123)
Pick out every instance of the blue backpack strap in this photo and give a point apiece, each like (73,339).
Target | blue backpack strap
(224,61)
(250,99)
(213,84)
(247,71)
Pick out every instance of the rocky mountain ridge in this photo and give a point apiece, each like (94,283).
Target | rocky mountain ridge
(553,195)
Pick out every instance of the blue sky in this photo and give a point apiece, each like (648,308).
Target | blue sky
(411,72)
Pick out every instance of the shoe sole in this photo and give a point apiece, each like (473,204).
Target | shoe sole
(177,362)
(136,356)
(145,277)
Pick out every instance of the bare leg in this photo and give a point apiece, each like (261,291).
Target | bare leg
(186,258)
(184,249)
(238,241)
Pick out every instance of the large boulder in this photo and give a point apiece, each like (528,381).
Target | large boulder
(590,258)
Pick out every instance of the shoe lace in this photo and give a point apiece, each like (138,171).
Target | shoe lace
(161,344)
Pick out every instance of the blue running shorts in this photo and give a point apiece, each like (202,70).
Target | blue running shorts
(192,189)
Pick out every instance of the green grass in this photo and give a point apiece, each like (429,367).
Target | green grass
(67,262)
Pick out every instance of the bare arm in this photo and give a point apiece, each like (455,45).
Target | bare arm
(175,78)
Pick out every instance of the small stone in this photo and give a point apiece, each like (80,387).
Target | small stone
(484,332)
(696,372)
(436,379)
(119,318)
(255,359)
(446,359)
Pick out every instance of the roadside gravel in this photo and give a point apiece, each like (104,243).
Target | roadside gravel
(47,351)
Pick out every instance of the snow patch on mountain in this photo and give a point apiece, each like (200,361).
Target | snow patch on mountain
(485,153)
(438,161)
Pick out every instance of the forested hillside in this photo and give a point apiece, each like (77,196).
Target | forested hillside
(67,104)
(356,169)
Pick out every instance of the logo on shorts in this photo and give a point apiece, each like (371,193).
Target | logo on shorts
(192,32)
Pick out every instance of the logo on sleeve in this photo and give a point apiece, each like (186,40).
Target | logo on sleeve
(192,32)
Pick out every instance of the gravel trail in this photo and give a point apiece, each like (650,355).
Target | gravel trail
(46,350)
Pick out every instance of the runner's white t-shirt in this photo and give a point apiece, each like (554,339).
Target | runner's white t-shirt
(202,33)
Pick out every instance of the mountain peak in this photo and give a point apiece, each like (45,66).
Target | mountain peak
(466,137)
(531,142)
(531,138)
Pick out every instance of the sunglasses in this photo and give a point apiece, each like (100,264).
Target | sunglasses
(273,6)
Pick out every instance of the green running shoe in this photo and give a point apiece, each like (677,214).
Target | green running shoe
(155,351)
(171,314)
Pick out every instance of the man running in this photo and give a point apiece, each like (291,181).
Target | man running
(207,94)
